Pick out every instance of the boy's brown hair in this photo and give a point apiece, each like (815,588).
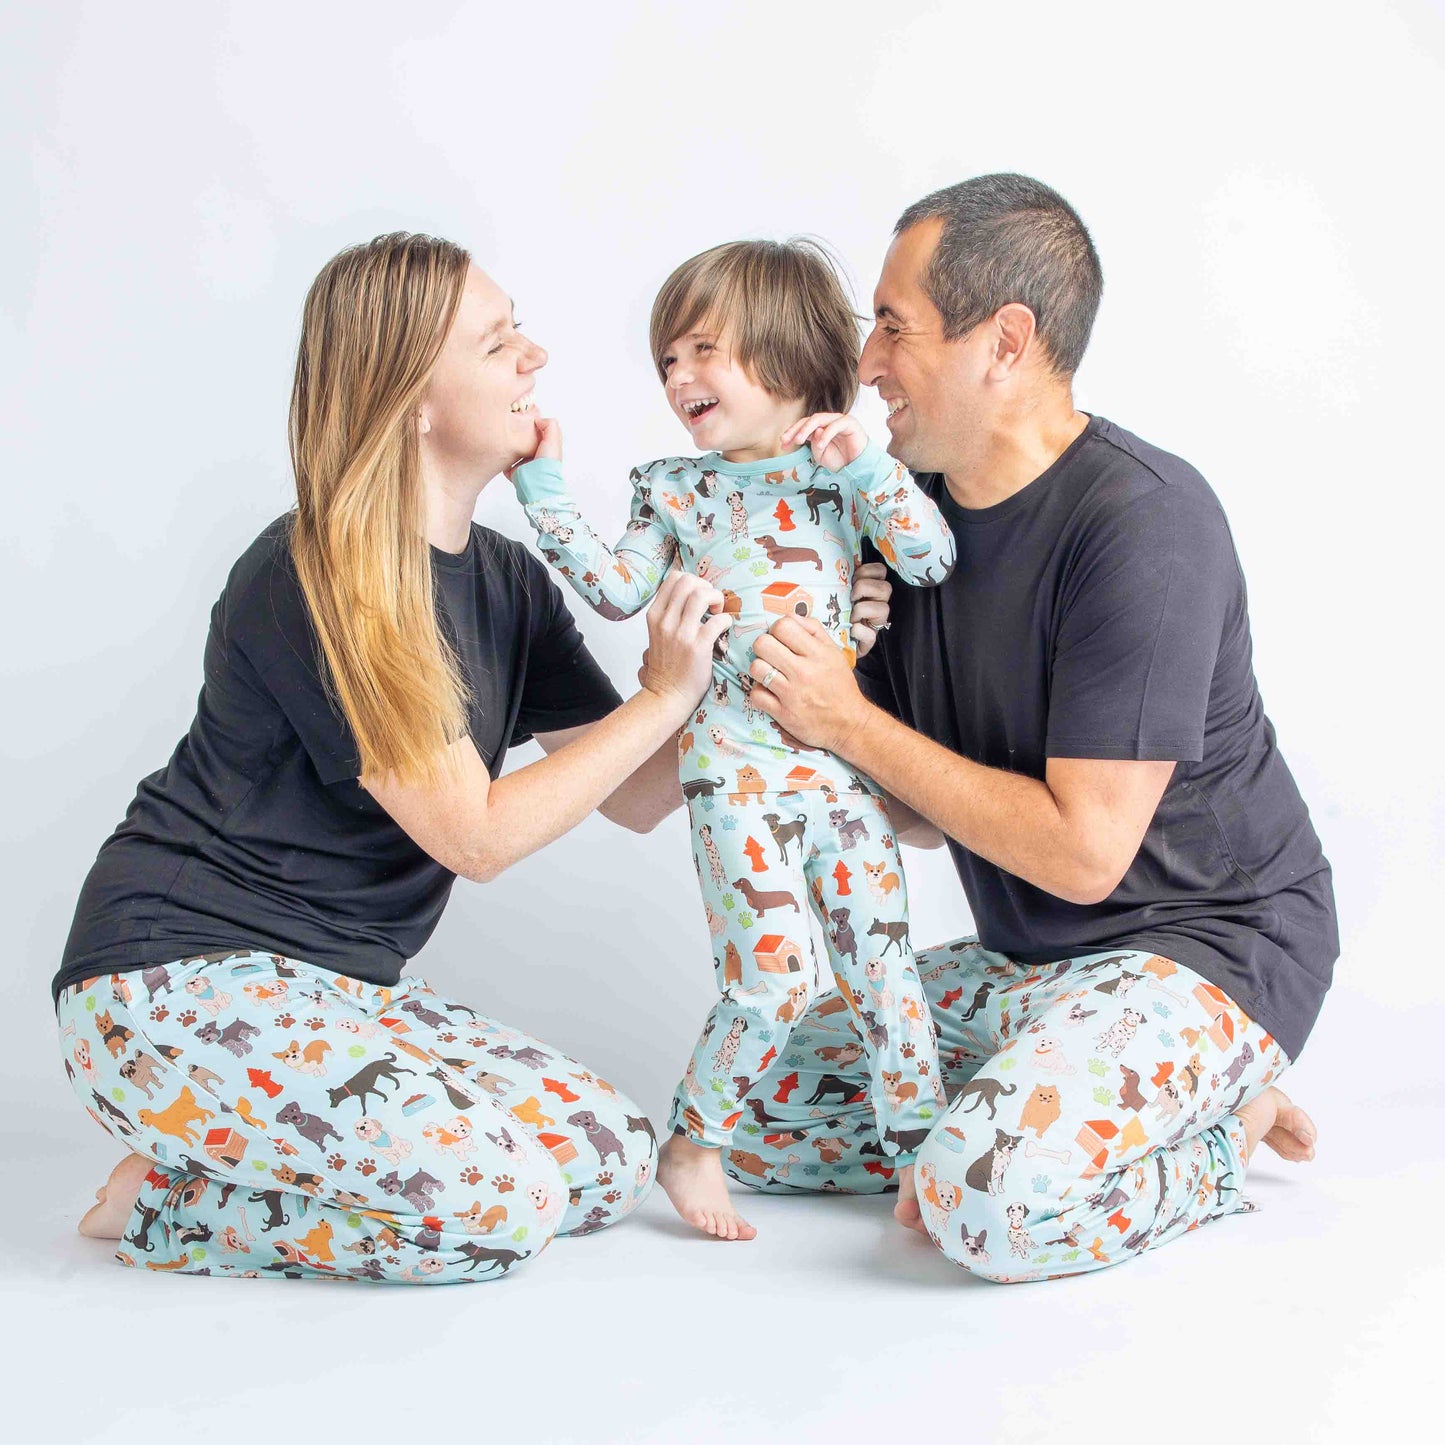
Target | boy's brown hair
(784,306)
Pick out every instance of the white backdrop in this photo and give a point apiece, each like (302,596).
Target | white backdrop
(1261,180)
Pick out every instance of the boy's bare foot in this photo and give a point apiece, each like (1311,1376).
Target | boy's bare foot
(906,1210)
(1284,1126)
(693,1179)
(106,1219)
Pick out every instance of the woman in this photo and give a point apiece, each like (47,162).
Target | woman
(230,1001)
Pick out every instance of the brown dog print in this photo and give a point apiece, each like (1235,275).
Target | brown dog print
(176,1119)
(1041,1110)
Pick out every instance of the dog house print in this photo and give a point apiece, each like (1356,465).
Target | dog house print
(775,954)
(803,777)
(787,599)
(225,1146)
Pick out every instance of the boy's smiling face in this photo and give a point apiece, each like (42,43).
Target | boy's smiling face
(722,407)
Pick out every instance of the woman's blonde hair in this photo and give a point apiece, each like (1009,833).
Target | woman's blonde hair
(373,326)
(792,326)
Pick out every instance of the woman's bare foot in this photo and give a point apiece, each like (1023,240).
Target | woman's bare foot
(1284,1126)
(693,1179)
(906,1210)
(107,1218)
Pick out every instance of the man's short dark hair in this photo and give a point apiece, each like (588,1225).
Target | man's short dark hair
(1009,238)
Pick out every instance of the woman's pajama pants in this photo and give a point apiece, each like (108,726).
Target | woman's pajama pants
(1092,1109)
(306,1124)
(763,860)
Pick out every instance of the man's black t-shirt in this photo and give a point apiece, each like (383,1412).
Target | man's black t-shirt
(1100,613)
(256,833)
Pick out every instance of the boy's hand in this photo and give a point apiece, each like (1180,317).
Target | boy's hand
(837,439)
(547,443)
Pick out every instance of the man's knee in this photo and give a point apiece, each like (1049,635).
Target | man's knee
(982,1229)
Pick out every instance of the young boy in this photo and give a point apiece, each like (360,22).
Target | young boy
(756,342)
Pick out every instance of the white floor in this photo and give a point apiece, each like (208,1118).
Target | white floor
(1314,1319)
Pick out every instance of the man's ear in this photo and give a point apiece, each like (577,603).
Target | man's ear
(1012,334)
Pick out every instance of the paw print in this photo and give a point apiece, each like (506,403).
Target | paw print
(1103,1096)
(924,1068)
(159,1012)
(745,919)
(730,822)
(477,1043)
(335,1161)
(908,1051)
(504,1184)
(285,1021)
(366,1167)
(1166,1038)
(605,1178)
(472,1175)
(314,1024)
(887,840)
(1040,1183)
(1098,1068)
(447,1038)
(187,1018)
(612,1196)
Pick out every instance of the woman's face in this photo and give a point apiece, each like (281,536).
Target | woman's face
(478,412)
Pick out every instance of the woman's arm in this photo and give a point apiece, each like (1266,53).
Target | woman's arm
(478,828)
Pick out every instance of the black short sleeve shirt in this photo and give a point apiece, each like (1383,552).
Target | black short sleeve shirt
(257,833)
(1100,612)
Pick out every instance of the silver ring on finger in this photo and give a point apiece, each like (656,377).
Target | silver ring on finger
(768,677)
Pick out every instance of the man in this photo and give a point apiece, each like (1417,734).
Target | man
(1075,710)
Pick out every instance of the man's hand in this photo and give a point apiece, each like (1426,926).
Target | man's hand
(871,591)
(837,439)
(801,678)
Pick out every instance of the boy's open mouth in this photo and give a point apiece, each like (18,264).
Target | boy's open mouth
(696,410)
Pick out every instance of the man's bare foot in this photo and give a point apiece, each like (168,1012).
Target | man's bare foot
(1284,1126)
(693,1179)
(106,1219)
(906,1210)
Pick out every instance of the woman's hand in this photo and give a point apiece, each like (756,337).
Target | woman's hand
(871,591)
(683,623)
(837,439)
(802,679)
(546,443)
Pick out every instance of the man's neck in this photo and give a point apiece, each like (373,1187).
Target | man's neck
(1013,452)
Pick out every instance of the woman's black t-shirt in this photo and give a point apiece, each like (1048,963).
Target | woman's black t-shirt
(256,834)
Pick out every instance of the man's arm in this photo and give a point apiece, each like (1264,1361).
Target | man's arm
(1074,833)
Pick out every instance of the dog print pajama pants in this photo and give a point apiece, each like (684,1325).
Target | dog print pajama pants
(763,864)
(1092,1109)
(306,1124)
(776,825)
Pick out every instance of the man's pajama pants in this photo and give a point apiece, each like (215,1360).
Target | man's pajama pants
(1092,1109)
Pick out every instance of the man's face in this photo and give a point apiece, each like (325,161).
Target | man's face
(933,387)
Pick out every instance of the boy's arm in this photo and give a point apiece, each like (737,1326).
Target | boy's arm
(899,518)
(615,581)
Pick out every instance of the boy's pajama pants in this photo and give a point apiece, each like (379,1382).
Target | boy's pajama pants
(763,860)
(1092,1109)
(306,1124)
